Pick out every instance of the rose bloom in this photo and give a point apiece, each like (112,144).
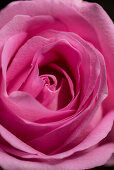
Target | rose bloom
(56,86)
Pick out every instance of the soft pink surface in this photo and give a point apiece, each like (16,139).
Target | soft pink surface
(56,85)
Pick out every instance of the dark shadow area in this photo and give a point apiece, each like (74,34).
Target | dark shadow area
(3,3)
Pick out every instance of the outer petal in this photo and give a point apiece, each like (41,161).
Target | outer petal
(86,161)
(104,29)
(15,8)
(97,135)
(30,8)
(67,12)
(15,141)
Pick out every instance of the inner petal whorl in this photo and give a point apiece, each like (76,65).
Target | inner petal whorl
(50,81)
(57,90)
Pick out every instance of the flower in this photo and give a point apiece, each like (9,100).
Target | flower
(56,85)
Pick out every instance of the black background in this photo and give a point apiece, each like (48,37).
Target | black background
(108,6)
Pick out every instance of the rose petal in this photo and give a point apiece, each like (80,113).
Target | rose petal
(13,80)
(104,29)
(102,153)
(9,51)
(24,130)
(13,140)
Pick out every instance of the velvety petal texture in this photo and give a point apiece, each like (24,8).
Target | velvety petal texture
(56,85)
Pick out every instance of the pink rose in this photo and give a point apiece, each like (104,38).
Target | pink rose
(56,86)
